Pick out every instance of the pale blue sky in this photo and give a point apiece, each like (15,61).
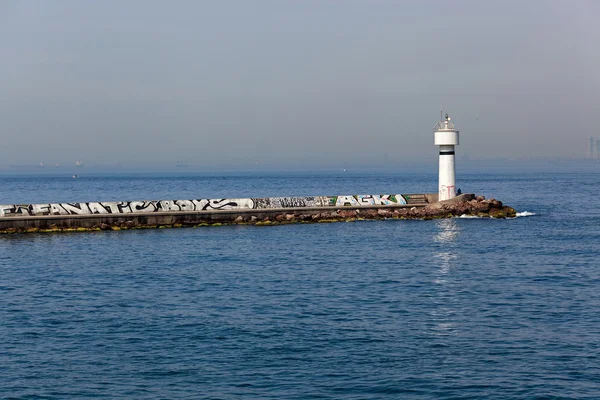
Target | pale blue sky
(302,83)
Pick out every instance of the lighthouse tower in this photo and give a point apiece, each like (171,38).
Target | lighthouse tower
(446,137)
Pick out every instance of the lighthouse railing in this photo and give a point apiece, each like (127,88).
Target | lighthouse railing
(443,125)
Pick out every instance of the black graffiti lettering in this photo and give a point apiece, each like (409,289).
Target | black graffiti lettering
(220,204)
(261,203)
(287,202)
(142,206)
(124,207)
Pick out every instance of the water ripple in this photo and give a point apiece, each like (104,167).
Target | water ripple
(454,309)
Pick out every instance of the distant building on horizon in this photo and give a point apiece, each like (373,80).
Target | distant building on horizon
(592,150)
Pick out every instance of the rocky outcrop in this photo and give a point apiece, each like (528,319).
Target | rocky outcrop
(466,204)
(470,205)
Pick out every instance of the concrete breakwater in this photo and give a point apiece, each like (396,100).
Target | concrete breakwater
(53,217)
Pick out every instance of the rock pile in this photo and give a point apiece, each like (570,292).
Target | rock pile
(461,205)
(468,204)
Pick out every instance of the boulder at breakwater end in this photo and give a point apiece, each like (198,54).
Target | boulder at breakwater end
(467,204)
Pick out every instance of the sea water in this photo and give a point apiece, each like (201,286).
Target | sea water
(459,308)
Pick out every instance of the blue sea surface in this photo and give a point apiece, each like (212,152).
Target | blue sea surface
(447,309)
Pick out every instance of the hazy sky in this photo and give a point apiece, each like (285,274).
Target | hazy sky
(294,82)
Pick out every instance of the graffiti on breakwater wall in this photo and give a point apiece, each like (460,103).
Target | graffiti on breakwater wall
(290,202)
(367,200)
(128,207)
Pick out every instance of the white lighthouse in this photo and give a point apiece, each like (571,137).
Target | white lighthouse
(446,137)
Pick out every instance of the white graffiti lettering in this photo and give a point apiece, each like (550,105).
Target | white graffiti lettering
(112,207)
(168,205)
(346,201)
(40,209)
(76,208)
(97,208)
(9,210)
(185,205)
(57,209)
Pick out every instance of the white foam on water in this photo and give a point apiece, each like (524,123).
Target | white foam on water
(525,214)
(519,214)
